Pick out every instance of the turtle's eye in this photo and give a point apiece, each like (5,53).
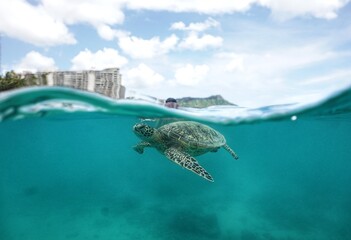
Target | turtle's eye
(144,129)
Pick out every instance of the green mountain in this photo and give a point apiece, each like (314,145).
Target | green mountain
(203,102)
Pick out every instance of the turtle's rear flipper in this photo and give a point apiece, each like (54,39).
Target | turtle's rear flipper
(185,160)
(231,151)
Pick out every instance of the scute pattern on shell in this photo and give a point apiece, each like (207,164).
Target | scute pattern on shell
(193,134)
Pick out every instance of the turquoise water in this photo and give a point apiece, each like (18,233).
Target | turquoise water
(68,171)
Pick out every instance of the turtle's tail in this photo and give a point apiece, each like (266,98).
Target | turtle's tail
(231,151)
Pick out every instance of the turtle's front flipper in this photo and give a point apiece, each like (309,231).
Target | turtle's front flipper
(140,147)
(231,151)
(188,162)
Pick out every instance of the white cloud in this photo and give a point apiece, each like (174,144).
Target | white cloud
(102,59)
(93,12)
(336,76)
(142,76)
(190,75)
(285,9)
(46,22)
(236,63)
(194,42)
(106,32)
(197,27)
(198,6)
(146,48)
(32,24)
(283,74)
(271,63)
(34,61)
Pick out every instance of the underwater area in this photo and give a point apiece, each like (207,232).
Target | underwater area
(68,171)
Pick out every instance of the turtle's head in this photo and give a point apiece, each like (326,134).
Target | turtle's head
(143,131)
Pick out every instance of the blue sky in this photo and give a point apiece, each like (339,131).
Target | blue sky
(252,52)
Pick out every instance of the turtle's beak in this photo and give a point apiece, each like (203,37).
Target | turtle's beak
(138,129)
(138,126)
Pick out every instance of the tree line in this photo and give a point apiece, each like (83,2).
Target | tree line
(13,80)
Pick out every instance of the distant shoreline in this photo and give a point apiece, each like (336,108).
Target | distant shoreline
(193,102)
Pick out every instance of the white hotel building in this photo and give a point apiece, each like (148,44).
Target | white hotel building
(107,82)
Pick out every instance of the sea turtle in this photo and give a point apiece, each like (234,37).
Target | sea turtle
(182,140)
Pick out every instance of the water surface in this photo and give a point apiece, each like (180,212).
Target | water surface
(68,171)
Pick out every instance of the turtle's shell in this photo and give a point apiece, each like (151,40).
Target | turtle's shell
(192,134)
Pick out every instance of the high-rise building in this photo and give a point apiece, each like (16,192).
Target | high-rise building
(107,82)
